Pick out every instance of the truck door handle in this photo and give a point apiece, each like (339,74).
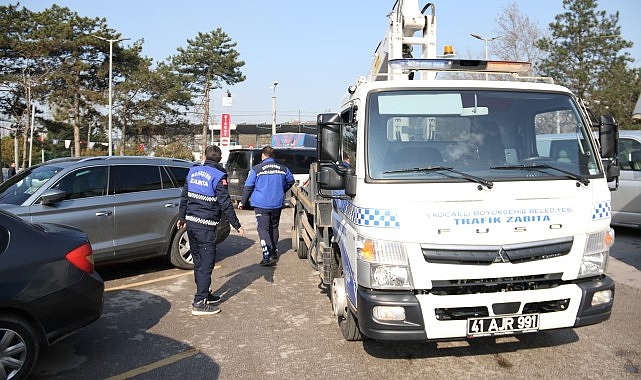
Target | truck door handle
(103,213)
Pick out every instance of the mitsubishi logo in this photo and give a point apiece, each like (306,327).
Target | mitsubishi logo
(501,257)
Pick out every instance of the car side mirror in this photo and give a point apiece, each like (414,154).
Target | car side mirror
(51,196)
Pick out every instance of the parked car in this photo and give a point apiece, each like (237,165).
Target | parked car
(128,206)
(626,200)
(48,289)
(240,162)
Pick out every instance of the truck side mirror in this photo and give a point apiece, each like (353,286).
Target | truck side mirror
(609,142)
(329,132)
(608,137)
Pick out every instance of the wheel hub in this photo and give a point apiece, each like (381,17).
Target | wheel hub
(339,297)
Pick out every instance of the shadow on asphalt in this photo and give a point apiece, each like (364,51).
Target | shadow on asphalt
(120,342)
(631,234)
(232,246)
(478,346)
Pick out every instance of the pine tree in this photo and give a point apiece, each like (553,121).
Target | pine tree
(585,53)
(209,60)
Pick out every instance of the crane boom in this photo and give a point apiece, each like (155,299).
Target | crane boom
(408,28)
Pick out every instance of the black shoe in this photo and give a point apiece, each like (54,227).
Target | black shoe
(274,257)
(266,262)
(203,308)
(212,298)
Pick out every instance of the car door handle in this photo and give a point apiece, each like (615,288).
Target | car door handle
(104,213)
(171,204)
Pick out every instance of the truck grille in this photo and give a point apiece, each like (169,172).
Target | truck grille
(463,313)
(514,253)
(494,285)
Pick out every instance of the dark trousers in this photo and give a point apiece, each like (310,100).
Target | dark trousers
(267,221)
(202,245)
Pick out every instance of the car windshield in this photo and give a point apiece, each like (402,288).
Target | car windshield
(20,187)
(489,135)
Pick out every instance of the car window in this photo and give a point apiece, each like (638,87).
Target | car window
(84,183)
(167,183)
(629,154)
(238,160)
(133,178)
(298,161)
(20,187)
(179,173)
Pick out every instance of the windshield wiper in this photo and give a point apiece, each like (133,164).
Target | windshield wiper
(467,176)
(585,181)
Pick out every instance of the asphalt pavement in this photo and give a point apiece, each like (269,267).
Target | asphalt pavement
(276,323)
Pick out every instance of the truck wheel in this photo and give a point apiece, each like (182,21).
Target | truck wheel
(19,347)
(301,250)
(349,327)
(295,230)
(346,319)
(180,256)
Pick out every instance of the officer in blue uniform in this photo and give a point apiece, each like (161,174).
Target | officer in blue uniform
(204,198)
(265,187)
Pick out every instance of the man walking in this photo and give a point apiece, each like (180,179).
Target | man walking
(12,170)
(204,198)
(266,185)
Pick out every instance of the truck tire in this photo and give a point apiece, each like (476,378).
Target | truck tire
(295,230)
(349,327)
(301,248)
(346,319)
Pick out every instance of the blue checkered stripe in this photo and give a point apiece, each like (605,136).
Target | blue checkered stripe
(601,210)
(370,217)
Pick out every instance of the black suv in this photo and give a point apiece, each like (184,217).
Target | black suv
(128,206)
(240,162)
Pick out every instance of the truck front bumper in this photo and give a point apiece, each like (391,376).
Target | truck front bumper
(588,314)
(411,328)
(422,321)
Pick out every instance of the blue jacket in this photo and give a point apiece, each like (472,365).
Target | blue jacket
(266,185)
(205,197)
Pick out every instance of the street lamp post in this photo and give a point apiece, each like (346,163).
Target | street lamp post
(111,41)
(273,88)
(485,40)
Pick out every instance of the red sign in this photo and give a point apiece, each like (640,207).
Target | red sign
(224,126)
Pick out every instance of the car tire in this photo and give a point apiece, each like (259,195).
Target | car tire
(180,255)
(22,337)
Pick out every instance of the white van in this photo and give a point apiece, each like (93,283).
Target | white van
(626,200)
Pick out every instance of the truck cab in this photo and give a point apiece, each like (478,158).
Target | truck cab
(443,205)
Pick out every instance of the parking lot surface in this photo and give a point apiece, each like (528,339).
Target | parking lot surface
(276,323)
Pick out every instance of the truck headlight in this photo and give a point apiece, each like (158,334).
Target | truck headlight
(596,253)
(382,264)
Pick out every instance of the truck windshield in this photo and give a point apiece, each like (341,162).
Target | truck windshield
(488,134)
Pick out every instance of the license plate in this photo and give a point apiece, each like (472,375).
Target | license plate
(505,325)
(233,180)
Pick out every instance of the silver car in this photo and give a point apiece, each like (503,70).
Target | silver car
(128,206)
(626,200)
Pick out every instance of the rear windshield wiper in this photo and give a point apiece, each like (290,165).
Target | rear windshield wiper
(467,176)
(585,181)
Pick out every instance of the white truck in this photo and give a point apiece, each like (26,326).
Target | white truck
(431,215)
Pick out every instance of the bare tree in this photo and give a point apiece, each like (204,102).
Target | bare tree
(518,36)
